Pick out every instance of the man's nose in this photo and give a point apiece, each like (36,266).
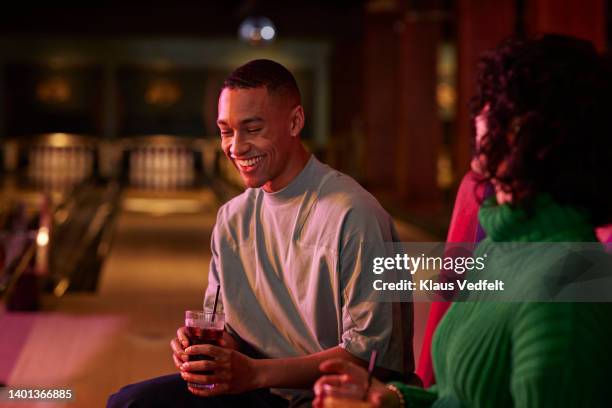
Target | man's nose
(239,147)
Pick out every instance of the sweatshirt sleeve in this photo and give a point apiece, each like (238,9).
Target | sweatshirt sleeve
(368,324)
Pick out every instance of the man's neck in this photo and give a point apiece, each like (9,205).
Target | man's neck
(295,165)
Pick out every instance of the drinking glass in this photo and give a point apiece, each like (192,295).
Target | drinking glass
(204,327)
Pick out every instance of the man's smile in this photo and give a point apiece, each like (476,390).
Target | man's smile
(249,164)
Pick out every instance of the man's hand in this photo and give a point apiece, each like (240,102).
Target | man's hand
(231,371)
(178,345)
(181,342)
(342,371)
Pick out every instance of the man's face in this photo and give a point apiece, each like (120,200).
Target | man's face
(256,134)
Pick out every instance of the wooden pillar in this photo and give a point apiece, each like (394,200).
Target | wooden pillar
(578,18)
(419,132)
(481,25)
(380,95)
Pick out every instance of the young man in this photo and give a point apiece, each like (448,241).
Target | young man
(288,254)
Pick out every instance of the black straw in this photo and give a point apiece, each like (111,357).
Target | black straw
(215,305)
(371,366)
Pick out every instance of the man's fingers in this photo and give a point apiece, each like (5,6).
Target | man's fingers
(181,334)
(177,362)
(176,347)
(206,349)
(200,365)
(178,351)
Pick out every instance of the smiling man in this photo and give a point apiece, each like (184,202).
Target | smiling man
(288,254)
(260,122)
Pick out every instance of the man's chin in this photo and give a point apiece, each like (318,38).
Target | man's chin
(252,183)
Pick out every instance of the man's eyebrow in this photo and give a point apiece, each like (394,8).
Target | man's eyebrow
(243,122)
(251,120)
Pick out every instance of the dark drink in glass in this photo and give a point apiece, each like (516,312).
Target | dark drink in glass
(204,328)
(199,335)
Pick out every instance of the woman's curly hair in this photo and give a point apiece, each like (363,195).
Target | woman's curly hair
(549,122)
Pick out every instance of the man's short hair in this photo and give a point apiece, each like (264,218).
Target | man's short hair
(264,73)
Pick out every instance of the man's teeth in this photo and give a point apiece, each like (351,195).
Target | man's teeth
(250,162)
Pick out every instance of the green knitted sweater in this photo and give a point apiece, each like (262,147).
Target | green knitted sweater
(495,354)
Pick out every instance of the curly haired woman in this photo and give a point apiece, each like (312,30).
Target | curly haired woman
(544,141)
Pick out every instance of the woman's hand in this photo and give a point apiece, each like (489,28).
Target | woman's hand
(338,372)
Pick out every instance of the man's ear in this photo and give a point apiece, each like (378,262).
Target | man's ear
(296,123)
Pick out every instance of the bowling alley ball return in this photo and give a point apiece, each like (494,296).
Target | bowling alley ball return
(56,218)
(55,249)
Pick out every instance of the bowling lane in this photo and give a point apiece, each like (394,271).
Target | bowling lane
(157,268)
